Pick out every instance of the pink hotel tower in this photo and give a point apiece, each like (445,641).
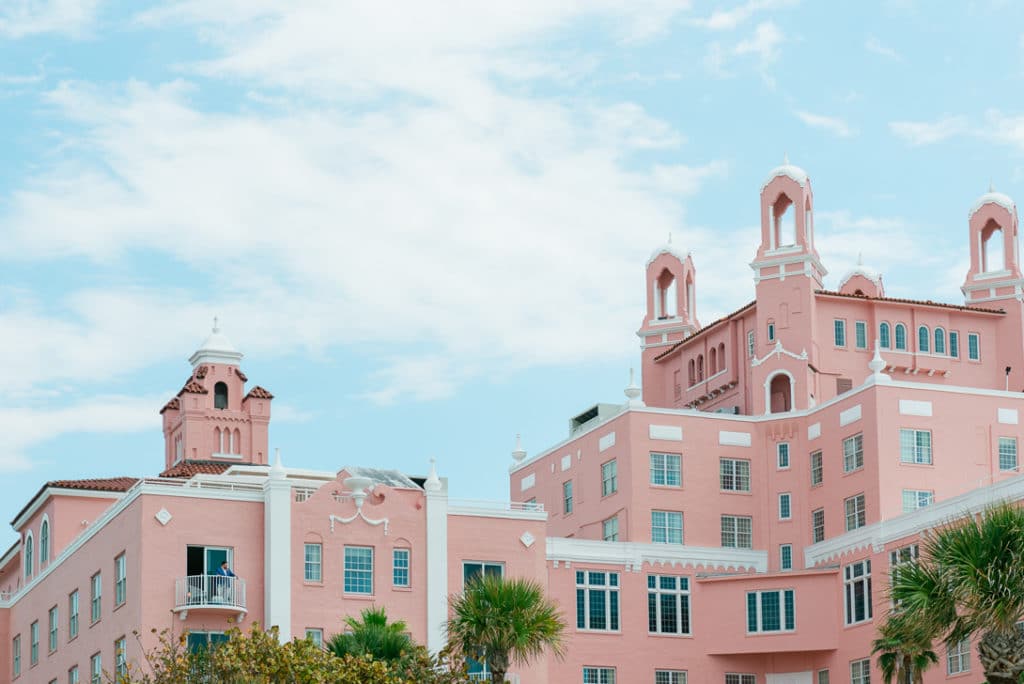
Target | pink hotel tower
(734,522)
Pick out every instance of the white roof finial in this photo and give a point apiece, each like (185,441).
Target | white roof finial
(860,258)
(277,470)
(433,483)
(877,365)
(991,187)
(519,453)
(633,392)
(785,158)
(216,328)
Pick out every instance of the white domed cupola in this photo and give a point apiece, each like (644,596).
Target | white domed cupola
(862,281)
(217,348)
(995,254)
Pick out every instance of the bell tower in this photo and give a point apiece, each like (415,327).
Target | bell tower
(212,418)
(995,272)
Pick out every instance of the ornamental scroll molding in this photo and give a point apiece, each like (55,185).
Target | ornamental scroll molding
(778,350)
(359,486)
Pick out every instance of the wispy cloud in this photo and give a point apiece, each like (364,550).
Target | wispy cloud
(727,20)
(875,46)
(929,132)
(831,124)
(21,18)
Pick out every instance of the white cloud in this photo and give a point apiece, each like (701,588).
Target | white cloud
(831,124)
(873,45)
(763,44)
(929,132)
(727,20)
(1008,130)
(21,18)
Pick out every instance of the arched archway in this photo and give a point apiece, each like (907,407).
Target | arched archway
(779,392)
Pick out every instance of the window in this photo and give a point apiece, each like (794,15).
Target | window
(597,600)
(693,373)
(96,591)
(901,337)
(567,497)
(610,529)
(44,543)
(73,675)
(904,554)
(120,657)
(750,344)
(823,677)
(670,677)
(973,346)
(1007,453)
(400,567)
(785,506)
(816,469)
(954,344)
(786,557)
(16,655)
(958,657)
(599,675)
(770,611)
(860,335)
(700,368)
(940,341)
(731,678)
(120,580)
(860,671)
(609,478)
(73,614)
(359,570)
(316,635)
(95,669)
(853,453)
(33,644)
(665,470)
(771,331)
(818,526)
(313,564)
(884,339)
(855,516)
(915,446)
(28,556)
(666,527)
(473,569)
(204,641)
(220,396)
(857,586)
(53,629)
(737,532)
(668,604)
(922,338)
(916,498)
(734,475)
(782,455)
(839,329)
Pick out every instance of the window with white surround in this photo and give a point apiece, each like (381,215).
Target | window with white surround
(917,498)
(853,453)
(73,614)
(120,657)
(666,470)
(567,497)
(860,334)
(816,468)
(954,344)
(33,644)
(903,555)
(750,344)
(610,529)
(958,657)
(782,455)
(734,474)
(855,513)
(818,526)
(1007,453)
(839,330)
(973,346)
(884,339)
(668,604)
(734,678)
(359,570)
(915,446)
(860,671)
(670,677)
(96,595)
(609,478)
(785,556)
(940,341)
(785,506)
(400,567)
(95,669)
(857,587)
(823,677)
(316,635)
(771,331)
(16,655)
(53,622)
(923,338)
(666,527)
(900,333)
(473,569)
(120,580)
(73,675)
(313,559)
(29,556)
(599,675)
(44,543)
(737,532)
(771,611)
(597,600)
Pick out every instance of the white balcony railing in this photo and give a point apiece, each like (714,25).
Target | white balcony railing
(209,592)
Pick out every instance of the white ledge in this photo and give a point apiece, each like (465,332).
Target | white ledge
(634,555)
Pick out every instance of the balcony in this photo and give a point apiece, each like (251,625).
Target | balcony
(209,593)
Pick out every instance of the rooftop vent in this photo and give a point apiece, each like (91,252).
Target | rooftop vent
(597,413)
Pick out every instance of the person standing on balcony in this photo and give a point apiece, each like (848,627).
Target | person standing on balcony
(223,587)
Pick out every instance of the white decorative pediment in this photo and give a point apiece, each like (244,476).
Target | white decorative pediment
(358,514)
(777,351)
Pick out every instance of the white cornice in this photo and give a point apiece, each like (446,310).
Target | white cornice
(61,491)
(633,555)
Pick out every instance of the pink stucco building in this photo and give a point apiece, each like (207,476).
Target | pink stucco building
(733,522)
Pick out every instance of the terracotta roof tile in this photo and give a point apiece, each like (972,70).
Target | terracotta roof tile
(201,372)
(104,484)
(187,469)
(173,405)
(193,387)
(918,302)
(703,330)
(258,392)
(241,375)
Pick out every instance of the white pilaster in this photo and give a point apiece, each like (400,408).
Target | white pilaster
(277,549)
(437,560)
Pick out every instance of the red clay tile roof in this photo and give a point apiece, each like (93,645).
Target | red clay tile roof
(187,469)
(241,375)
(201,372)
(918,302)
(193,387)
(173,405)
(104,484)
(703,330)
(258,392)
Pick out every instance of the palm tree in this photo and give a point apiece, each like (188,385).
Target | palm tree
(372,634)
(503,621)
(904,651)
(970,581)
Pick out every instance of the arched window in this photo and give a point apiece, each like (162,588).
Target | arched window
(44,543)
(780,394)
(220,396)
(883,336)
(693,373)
(667,303)
(940,341)
(713,361)
(923,338)
(700,368)
(236,442)
(992,248)
(721,356)
(901,336)
(28,556)
(218,440)
(784,221)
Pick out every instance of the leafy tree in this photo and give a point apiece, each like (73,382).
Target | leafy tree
(904,651)
(970,582)
(372,634)
(503,621)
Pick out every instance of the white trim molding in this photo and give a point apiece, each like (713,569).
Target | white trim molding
(778,350)
(634,555)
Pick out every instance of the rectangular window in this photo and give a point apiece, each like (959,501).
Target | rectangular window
(915,446)
(737,532)
(1007,453)
(668,604)
(316,635)
(786,557)
(818,526)
(665,470)
(860,333)
(73,675)
(473,569)
(843,385)
(904,554)
(734,475)
(610,529)
(750,344)
(916,498)
(33,644)
(785,506)
(666,527)
(53,629)
(839,328)
(120,580)
(958,657)
(855,515)
(732,678)
(597,600)
(853,453)
(313,562)
(860,671)
(96,591)
(567,497)
(973,346)
(823,677)
(16,655)
(609,478)
(857,585)
(782,455)
(771,332)
(954,344)
(599,675)
(359,570)
(400,567)
(816,469)
(120,657)
(95,669)
(770,611)
(670,677)
(73,614)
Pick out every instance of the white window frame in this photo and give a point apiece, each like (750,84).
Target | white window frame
(666,465)
(587,583)
(120,580)
(401,562)
(913,499)
(567,498)
(484,566)
(680,595)
(609,477)
(1007,447)
(598,675)
(16,655)
(313,569)
(358,573)
(817,537)
(33,644)
(855,508)
(782,456)
(860,671)
(856,575)
(53,617)
(954,344)
(740,678)
(785,506)
(735,532)
(316,635)
(853,452)
(896,330)
(839,333)
(785,557)
(73,601)
(973,346)
(670,677)
(958,657)
(884,335)
(783,595)
(663,521)
(95,598)
(96,668)
(732,468)
(121,656)
(751,343)
(817,468)
(771,331)
(860,334)
(610,529)
(926,338)
(912,450)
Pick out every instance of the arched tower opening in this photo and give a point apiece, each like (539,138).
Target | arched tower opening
(668,303)
(220,396)
(784,221)
(993,252)
(780,393)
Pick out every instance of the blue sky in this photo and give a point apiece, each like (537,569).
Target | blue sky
(426,224)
